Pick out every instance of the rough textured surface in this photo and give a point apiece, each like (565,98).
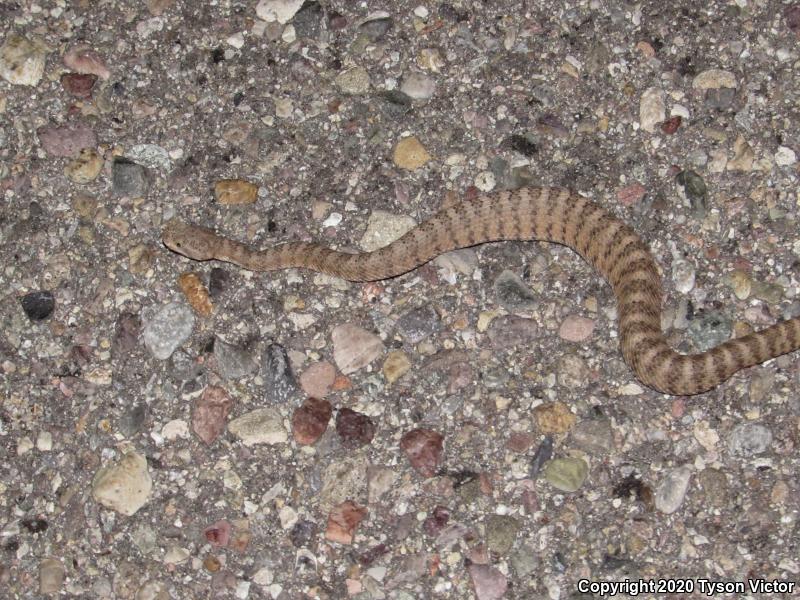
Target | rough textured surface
(549,214)
(487,377)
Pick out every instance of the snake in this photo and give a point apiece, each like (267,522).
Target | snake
(550,214)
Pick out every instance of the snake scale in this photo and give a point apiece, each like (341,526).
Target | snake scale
(532,213)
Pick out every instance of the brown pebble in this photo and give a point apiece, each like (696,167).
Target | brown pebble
(671,125)
(423,447)
(235,191)
(553,417)
(196,293)
(310,421)
(79,85)
(343,520)
(210,413)
(354,429)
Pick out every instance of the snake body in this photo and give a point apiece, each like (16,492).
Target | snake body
(532,213)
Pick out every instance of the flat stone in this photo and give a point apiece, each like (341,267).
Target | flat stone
(281,11)
(123,486)
(714,79)
(354,347)
(672,489)
(410,154)
(383,228)
(353,81)
(261,426)
(652,110)
(235,192)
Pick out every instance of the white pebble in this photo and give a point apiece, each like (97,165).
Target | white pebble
(785,156)
(333,220)
(485,181)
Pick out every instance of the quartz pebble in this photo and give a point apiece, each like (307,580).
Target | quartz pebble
(672,489)
(166,329)
(354,347)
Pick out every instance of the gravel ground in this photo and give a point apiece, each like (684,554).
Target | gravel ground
(175,429)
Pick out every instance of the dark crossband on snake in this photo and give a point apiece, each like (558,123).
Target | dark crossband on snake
(532,213)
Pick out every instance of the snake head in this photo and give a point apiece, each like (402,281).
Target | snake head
(192,241)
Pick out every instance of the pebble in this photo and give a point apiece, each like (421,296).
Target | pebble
(354,429)
(260,426)
(683,274)
(423,448)
(749,439)
(593,436)
(343,480)
(709,329)
(785,156)
(343,521)
(485,181)
(418,86)
(128,178)
(66,140)
(123,486)
(354,81)
(196,293)
(463,261)
(410,154)
(383,228)
(235,192)
(513,294)
(489,582)
(82,59)
(566,474)
(418,324)
(78,85)
(354,347)
(281,11)
(743,156)
(553,417)
(168,328)
(310,421)
(714,486)
(150,156)
(38,305)
(86,167)
(396,365)
(696,191)
(771,293)
(572,372)
(714,79)
(234,362)
(501,532)
(576,328)
(741,283)
(318,379)
(22,60)
(210,413)
(508,331)
(308,20)
(376,25)
(51,576)
(671,490)
(652,110)
(279,381)
(380,480)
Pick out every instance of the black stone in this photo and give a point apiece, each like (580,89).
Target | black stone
(38,305)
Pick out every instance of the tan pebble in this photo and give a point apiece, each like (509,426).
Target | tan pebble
(318,379)
(235,191)
(743,156)
(741,283)
(742,328)
(410,154)
(646,49)
(343,521)
(714,79)
(553,417)
(292,303)
(86,167)
(485,318)
(140,258)
(84,205)
(196,293)
(320,210)
(396,365)
(590,304)
(430,59)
